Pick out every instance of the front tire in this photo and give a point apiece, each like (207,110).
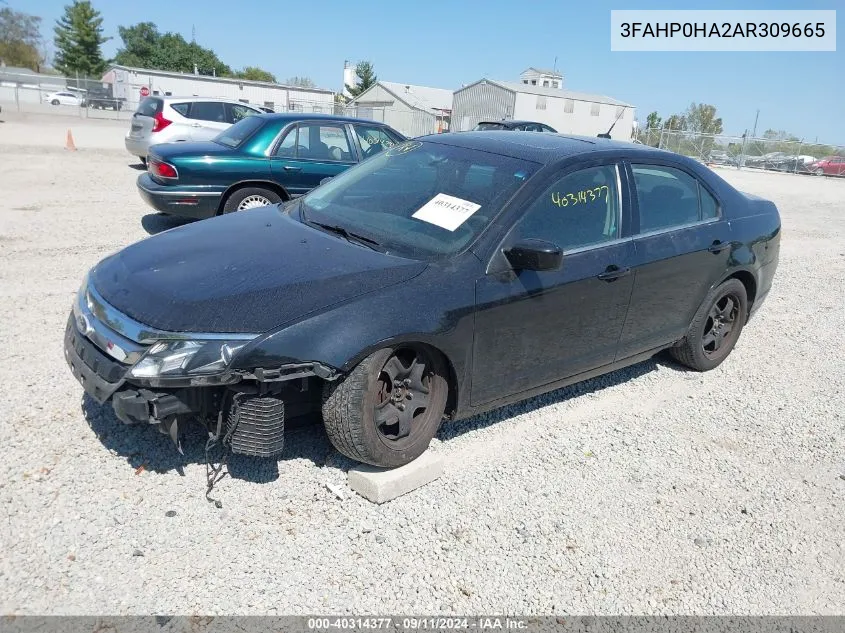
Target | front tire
(250,198)
(55,102)
(388,409)
(715,328)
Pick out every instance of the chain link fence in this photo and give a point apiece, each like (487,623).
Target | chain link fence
(774,154)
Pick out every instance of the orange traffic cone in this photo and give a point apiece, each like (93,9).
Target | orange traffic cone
(69,144)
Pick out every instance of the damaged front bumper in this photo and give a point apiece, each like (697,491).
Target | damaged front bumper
(102,359)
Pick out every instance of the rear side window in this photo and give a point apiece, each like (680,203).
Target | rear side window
(242,130)
(238,112)
(670,197)
(149,106)
(181,108)
(208,111)
(490,126)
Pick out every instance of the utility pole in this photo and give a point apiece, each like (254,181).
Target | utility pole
(754,133)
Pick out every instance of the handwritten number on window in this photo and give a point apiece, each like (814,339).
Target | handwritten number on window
(580,197)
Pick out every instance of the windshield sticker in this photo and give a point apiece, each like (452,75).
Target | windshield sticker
(447,212)
(404,148)
(584,196)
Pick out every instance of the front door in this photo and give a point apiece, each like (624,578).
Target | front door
(681,249)
(534,328)
(310,152)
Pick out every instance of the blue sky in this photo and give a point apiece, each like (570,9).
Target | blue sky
(447,43)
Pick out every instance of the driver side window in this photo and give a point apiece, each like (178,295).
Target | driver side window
(580,209)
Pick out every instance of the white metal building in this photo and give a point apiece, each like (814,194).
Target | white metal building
(541,77)
(129,81)
(412,110)
(567,111)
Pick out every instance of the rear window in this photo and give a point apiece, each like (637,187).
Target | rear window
(234,136)
(181,108)
(490,126)
(149,106)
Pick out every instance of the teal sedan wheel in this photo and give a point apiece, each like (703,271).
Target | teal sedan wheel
(250,198)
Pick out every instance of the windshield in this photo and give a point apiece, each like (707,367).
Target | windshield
(419,199)
(235,135)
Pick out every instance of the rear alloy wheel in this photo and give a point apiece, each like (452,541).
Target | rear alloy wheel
(250,198)
(715,328)
(387,410)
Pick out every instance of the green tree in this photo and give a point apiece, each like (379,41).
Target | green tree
(653,120)
(145,47)
(701,119)
(301,82)
(79,38)
(254,73)
(20,39)
(676,122)
(366,78)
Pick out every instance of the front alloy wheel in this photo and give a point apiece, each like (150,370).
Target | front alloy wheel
(386,411)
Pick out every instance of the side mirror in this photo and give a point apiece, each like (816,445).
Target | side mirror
(325,180)
(534,255)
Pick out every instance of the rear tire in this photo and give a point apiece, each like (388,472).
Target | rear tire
(55,102)
(715,328)
(249,198)
(819,172)
(387,410)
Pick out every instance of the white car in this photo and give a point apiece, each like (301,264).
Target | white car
(174,119)
(64,98)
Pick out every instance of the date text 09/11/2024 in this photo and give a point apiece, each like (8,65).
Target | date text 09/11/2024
(418,623)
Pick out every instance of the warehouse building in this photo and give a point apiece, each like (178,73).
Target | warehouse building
(133,83)
(412,110)
(567,111)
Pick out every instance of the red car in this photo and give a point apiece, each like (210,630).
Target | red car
(828,166)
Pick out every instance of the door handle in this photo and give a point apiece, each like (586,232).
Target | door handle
(613,272)
(289,168)
(718,246)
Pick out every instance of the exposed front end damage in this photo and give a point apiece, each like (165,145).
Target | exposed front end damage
(168,380)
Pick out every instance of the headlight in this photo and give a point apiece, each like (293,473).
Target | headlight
(186,359)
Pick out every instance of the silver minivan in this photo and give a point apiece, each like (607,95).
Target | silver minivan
(172,119)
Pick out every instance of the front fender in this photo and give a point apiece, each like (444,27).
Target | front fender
(422,311)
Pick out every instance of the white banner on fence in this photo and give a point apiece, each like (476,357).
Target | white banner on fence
(765,30)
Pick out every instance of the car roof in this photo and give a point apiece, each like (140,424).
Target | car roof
(299,116)
(511,123)
(171,99)
(539,148)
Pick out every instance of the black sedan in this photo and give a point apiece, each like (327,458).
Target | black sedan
(446,276)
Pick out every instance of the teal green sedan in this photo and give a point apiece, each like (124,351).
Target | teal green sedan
(260,160)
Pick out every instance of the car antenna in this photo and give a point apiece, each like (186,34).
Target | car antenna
(618,116)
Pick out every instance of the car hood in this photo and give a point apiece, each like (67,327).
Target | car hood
(167,151)
(251,271)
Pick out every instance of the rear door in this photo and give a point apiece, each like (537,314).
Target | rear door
(207,119)
(309,152)
(682,246)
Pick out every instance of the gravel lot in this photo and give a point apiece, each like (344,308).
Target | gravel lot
(652,490)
